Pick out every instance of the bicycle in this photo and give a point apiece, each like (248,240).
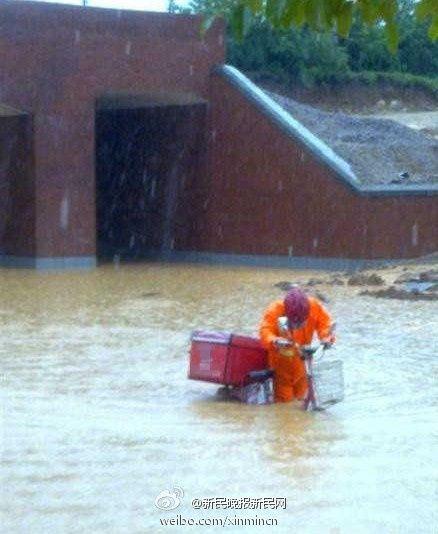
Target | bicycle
(325,383)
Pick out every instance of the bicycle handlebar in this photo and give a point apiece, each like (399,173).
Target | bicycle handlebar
(307,351)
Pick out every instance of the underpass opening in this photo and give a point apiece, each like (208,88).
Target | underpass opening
(150,150)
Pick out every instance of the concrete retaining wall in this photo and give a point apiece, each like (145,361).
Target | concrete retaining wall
(276,189)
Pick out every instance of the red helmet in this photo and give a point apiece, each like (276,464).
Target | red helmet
(296,306)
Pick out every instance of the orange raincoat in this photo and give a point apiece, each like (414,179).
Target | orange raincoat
(290,374)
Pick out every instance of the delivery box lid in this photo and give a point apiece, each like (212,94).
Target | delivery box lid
(247,342)
(206,336)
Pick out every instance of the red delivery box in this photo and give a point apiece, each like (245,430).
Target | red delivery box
(225,358)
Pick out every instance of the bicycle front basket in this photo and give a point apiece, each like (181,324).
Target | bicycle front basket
(328,382)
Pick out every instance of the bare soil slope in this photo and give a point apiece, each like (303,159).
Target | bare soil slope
(380,151)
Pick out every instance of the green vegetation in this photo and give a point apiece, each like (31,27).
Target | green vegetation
(399,79)
(310,58)
(335,16)
(303,55)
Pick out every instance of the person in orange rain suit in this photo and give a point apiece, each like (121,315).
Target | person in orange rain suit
(305,316)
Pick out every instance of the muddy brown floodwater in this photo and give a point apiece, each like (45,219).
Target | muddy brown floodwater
(99,417)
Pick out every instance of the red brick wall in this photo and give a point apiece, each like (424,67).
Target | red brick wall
(56,60)
(267,193)
(263,192)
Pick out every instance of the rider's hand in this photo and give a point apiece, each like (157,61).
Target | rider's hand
(328,342)
(282,342)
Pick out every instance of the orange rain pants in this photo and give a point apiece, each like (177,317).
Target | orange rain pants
(290,380)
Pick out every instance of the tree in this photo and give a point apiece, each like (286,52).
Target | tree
(321,15)
(320,57)
(285,56)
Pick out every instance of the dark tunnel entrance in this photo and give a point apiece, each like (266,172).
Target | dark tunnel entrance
(148,157)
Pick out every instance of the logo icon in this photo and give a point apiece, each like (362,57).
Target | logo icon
(169,499)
